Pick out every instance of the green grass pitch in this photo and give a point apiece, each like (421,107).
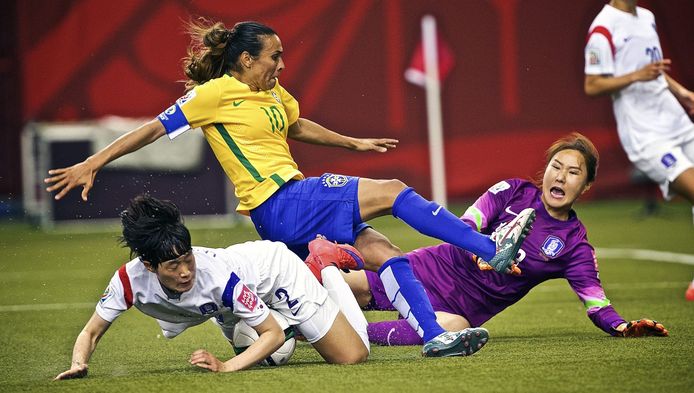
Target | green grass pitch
(49,283)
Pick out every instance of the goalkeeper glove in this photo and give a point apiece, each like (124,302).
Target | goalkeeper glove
(644,327)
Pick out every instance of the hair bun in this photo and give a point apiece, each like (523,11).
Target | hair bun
(232,33)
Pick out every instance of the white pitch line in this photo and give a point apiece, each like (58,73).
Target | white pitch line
(45,307)
(543,288)
(613,253)
(559,287)
(645,255)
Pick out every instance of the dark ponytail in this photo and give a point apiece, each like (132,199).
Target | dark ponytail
(153,230)
(214,50)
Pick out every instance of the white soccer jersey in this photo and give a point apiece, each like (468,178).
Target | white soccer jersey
(646,112)
(238,282)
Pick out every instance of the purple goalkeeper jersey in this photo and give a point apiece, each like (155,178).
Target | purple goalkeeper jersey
(553,249)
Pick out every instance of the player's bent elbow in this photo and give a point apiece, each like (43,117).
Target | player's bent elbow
(594,86)
(590,90)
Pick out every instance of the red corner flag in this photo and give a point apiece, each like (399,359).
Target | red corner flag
(415,73)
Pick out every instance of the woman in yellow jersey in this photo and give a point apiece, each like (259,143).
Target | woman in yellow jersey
(246,116)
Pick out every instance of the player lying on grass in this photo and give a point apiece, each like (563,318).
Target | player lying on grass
(247,117)
(464,292)
(183,286)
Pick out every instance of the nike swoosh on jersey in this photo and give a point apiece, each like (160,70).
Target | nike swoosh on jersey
(237,103)
(436,212)
(509,211)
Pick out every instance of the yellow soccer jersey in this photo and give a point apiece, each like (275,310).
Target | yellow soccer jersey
(247,131)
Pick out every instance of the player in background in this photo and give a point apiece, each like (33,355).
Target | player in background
(465,293)
(246,117)
(623,58)
(183,286)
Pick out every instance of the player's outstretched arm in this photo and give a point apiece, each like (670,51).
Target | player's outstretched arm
(642,328)
(596,85)
(65,179)
(270,338)
(305,130)
(84,348)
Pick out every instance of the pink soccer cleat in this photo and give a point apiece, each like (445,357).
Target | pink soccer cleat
(323,253)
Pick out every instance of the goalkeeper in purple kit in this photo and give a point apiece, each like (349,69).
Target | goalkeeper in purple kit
(463,290)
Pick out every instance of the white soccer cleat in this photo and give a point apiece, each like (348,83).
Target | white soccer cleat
(509,238)
(462,343)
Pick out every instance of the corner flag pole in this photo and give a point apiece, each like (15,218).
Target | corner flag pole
(434,116)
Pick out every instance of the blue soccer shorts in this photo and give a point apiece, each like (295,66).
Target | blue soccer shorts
(301,209)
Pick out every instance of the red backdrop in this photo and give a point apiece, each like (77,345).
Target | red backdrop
(517,83)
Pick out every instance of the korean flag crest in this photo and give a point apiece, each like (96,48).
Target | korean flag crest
(552,246)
